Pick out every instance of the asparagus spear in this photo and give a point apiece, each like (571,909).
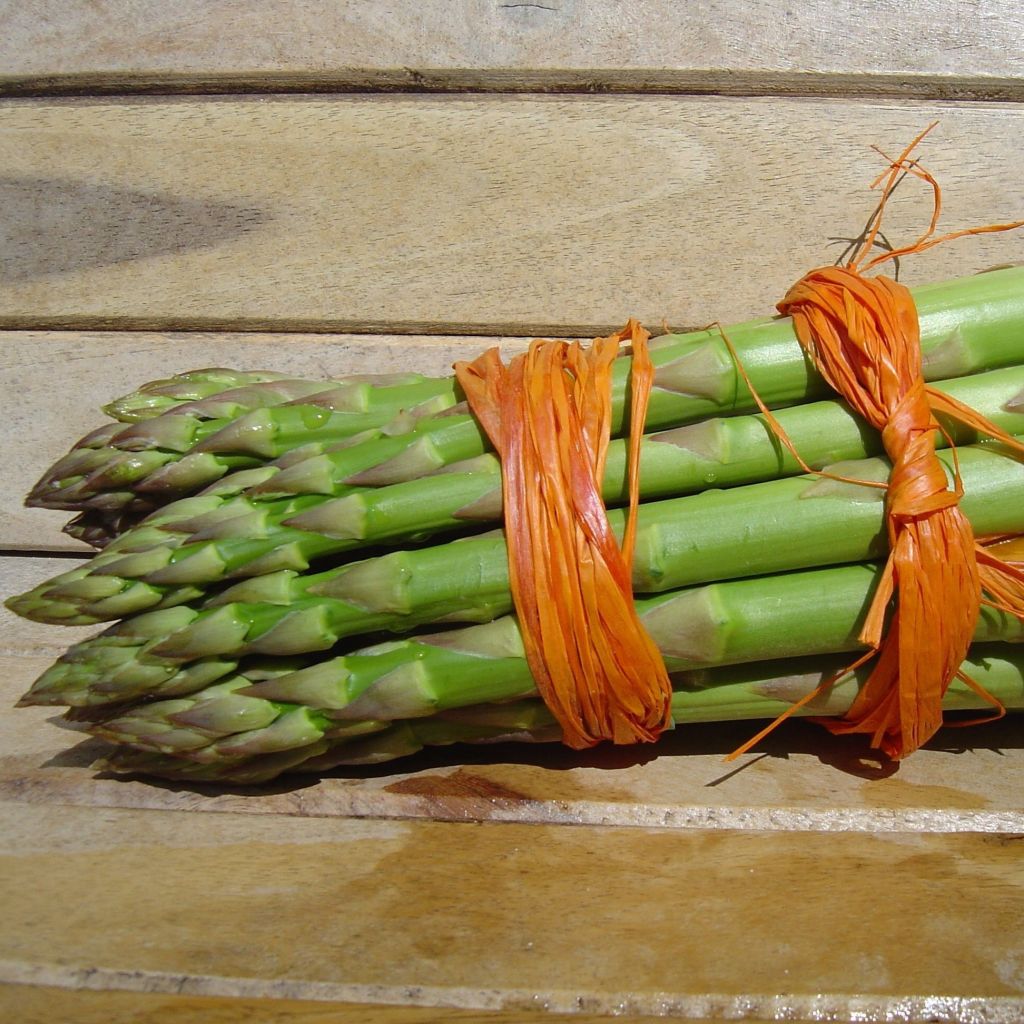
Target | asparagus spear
(160,396)
(93,452)
(235,538)
(786,615)
(218,392)
(134,528)
(209,394)
(771,527)
(122,530)
(763,691)
(226,735)
(966,325)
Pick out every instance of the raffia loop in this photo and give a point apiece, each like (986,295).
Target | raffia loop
(548,416)
(862,334)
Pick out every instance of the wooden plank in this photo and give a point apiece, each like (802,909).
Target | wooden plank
(801,779)
(652,921)
(486,215)
(917,48)
(57,381)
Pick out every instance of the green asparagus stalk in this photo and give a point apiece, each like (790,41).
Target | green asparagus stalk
(238,537)
(770,527)
(228,734)
(121,529)
(763,691)
(216,393)
(160,396)
(135,527)
(966,325)
(793,614)
(184,449)
(773,526)
(93,452)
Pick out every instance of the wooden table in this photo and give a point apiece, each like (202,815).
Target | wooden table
(327,189)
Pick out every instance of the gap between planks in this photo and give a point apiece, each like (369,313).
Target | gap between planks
(588,82)
(511,330)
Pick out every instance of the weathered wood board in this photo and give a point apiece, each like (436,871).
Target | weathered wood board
(487,916)
(483,215)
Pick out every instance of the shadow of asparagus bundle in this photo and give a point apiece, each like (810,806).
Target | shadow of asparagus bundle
(231,597)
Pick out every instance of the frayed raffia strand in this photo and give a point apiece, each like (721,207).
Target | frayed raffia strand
(548,416)
(863,338)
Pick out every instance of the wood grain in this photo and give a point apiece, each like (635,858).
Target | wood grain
(678,923)
(916,48)
(55,383)
(486,215)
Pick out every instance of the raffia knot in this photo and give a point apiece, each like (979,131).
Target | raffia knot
(917,483)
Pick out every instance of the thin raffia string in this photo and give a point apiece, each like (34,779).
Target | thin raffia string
(862,335)
(548,416)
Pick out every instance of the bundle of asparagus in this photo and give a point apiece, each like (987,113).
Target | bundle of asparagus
(191,430)
(247,520)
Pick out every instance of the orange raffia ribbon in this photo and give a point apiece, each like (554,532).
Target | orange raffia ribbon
(862,335)
(548,416)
